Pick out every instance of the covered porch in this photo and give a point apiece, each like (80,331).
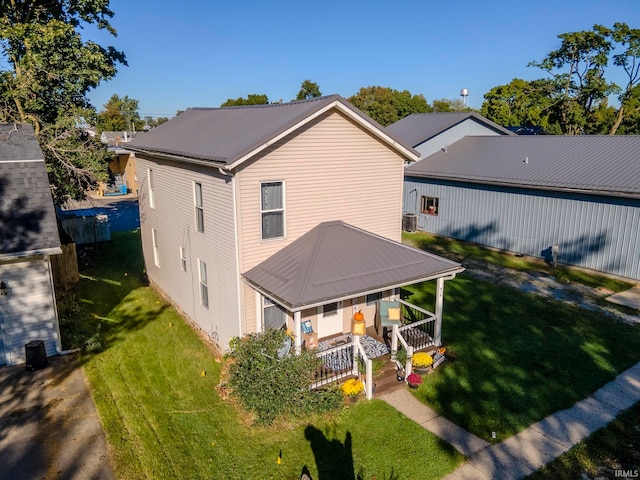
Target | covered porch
(321,280)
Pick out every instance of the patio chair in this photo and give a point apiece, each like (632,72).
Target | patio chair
(388,314)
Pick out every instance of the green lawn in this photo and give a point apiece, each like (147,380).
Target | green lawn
(165,419)
(516,357)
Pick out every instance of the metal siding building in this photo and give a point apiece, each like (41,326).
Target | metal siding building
(581,193)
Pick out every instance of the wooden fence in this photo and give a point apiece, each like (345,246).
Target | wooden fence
(65,266)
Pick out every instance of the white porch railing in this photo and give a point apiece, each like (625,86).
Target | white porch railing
(414,336)
(342,362)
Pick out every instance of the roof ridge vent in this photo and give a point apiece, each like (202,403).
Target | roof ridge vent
(526,159)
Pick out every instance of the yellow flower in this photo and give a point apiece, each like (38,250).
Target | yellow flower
(352,387)
(422,359)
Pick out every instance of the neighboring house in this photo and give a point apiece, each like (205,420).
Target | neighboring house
(429,133)
(122,165)
(28,237)
(575,198)
(527,130)
(272,215)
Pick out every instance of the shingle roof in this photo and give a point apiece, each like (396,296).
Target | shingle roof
(228,134)
(420,127)
(27,216)
(336,260)
(608,165)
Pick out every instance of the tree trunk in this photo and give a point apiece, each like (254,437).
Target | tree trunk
(618,121)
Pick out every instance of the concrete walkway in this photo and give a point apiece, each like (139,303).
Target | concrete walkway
(542,442)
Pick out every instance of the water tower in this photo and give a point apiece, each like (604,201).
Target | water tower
(464,93)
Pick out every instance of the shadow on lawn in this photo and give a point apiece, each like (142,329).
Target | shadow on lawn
(516,358)
(334,459)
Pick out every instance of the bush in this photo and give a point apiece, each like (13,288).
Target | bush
(76,330)
(270,386)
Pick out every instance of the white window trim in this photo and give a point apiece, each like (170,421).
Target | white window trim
(152,200)
(204,301)
(156,252)
(183,259)
(283,210)
(197,207)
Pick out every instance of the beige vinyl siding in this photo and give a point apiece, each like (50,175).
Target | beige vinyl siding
(174,220)
(332,170)
(28,310)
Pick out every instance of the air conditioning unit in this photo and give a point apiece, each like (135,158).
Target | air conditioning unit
(409,222)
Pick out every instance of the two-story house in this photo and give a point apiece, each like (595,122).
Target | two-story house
(272,215)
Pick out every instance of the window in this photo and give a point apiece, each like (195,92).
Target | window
(273,315)
(156,252)
(183,259)
(152,201)
(330,309)
(199,208)
(372,298)
(272,209)
(429,205)
(204,288)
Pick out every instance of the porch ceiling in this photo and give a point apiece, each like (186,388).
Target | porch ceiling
(335,260)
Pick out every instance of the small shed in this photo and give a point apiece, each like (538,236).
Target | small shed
(86,225)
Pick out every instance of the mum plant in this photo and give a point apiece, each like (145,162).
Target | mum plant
(414,379)
(352,387)
(422,360)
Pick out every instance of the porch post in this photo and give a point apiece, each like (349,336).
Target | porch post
(298,329)
(437,333)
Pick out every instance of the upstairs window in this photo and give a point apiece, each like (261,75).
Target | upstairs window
(199,206)
(272,209)
(429,205)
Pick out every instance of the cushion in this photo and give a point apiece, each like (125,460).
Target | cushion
(393,313)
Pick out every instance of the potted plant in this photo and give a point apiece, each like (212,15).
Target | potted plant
(422,362)
(414,380)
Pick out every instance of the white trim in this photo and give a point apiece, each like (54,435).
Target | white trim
(156,248)
(33,160)
(259,313)
(283,209)
(183,259)
(343,109)
(197,207)
(152,200)
(202,263)
(30,253)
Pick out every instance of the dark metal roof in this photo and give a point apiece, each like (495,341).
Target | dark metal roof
(226,135)
(335,260)
(420,127)
(27,216)
(607,165)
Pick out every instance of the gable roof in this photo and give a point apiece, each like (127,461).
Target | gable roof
(335,261)
(599,164)
(27,217)
(417,128)
(228,136)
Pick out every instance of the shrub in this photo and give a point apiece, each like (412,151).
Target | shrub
(270,386)
(422,360)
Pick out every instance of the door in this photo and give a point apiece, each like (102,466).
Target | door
(330,319)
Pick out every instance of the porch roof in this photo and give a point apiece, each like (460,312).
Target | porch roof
(335,261)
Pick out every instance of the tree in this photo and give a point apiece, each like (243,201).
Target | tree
(629,61)
(449,105)
(44,80)
(252,99)
(308,89)
(120,114)
(154,122)
(386,105)
(522,103)
(577,68)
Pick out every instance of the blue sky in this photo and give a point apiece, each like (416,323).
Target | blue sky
(199,53)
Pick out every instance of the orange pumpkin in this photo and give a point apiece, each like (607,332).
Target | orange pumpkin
(358,316)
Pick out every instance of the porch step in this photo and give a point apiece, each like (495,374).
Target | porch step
(387,381)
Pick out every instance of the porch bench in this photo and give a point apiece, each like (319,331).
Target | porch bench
(388,314)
